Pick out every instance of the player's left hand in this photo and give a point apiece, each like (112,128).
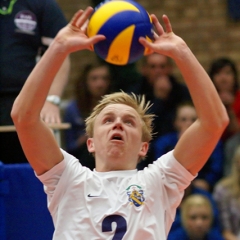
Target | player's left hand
(50,113)
(166,42)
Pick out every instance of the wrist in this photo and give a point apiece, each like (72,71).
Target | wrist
(54,99)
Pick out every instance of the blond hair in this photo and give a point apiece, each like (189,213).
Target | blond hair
(136,102)
(194,200)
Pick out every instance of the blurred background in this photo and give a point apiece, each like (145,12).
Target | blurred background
(211,28)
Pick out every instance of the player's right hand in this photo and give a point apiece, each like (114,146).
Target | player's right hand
(73,37)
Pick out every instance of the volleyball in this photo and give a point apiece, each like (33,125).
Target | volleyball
(122,23)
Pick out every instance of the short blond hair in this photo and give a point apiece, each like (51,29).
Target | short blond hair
(195,200)
(136,102)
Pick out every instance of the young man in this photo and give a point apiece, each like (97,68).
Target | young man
(84,204)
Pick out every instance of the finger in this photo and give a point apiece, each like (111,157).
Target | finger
(93,40)
(91,48)
(57,119)
(51,119)
(76,16)
(45,118)
(167,23)
(157,25)
(83,18)
(146,44)
(155,36)
(84,27)
(148,51)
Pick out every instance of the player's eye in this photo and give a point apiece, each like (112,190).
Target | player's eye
(108,120)
(129,122)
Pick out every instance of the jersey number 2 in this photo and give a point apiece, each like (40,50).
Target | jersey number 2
(120,229)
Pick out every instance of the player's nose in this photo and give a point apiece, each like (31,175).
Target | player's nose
(118,124)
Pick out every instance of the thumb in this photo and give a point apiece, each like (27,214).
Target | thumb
(147,44)
(95,39)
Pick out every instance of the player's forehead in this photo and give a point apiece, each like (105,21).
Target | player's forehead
(119,109)
(186,109)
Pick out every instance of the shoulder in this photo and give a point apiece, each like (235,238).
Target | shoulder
(68,168)
(172,169)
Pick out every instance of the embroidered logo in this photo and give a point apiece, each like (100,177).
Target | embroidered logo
(135,195)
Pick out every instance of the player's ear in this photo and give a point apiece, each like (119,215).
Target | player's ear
(90,145)
(144,149)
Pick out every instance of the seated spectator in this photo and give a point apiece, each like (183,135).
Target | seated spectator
(166,95)
(153,66)
(213,170)
(93,83)
(196,218)
(161,87)
(227,196)
(224,75)
(195,190)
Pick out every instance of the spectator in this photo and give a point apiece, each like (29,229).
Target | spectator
(27,27)
(190,190)
(197,218)
(227,196)
(166,95)
(213,169)
(224,75)
(92,84)
(153,66)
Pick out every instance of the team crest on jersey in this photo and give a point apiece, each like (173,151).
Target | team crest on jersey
(135,195)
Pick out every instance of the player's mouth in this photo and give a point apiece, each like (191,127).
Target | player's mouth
(116,138)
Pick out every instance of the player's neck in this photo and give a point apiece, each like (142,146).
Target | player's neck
(114,165)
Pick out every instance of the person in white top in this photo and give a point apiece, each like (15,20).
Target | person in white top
(115,201)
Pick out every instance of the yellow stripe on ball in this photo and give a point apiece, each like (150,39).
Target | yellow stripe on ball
(147,50)
(105,13)
(120,47)
(149,17)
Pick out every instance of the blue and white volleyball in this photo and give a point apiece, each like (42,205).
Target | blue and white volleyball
(122,22)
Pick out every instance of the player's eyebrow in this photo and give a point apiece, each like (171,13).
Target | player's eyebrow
(108,113)
(128,115)
(111,113)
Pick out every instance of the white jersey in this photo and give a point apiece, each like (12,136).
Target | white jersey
(128,205)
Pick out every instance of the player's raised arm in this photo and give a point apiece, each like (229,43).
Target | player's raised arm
(36,138)
(199,140)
